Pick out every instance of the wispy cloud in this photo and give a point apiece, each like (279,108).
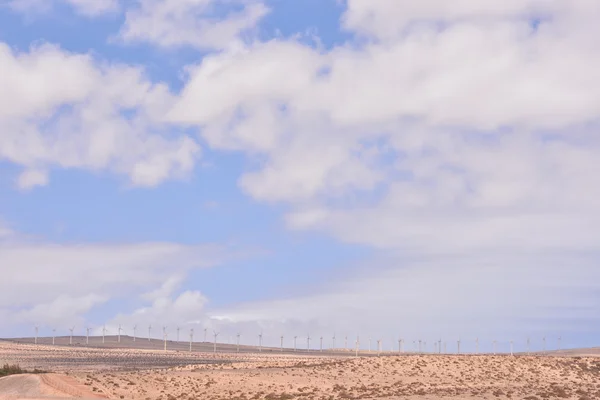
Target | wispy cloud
(202,24)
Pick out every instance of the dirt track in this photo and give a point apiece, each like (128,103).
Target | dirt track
(43,386)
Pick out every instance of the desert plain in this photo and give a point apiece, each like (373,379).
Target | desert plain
(119,372)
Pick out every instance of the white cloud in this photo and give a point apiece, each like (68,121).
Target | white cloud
(63,311)
(182,310)
(47,283)
(83,7)
(389,19)
(494,296)
(65,110)
(195,23)
(31,178)
(459,129)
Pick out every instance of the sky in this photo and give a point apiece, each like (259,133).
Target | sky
(376,168)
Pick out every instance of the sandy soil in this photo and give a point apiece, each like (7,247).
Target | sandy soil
(405,377)
(44,386)
(156,375)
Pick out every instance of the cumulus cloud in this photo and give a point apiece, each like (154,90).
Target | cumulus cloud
(202,24)
(31,178)
(65,110)
(468,130)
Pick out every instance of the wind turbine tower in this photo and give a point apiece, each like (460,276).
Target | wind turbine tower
(87,335)
(260,342)
(119,334)
(149,329)
(215,344)
(53,335)
(71,337)
(308,342)
(238,342)
(544,342)
(37,329)
(134,328)
(165,336)
(191,338)
(295,338)
(281,344)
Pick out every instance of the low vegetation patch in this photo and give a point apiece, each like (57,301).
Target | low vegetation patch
(15,369)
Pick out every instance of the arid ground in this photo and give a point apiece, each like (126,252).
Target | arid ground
(150,374)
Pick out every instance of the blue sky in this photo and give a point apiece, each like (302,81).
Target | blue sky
(366,199)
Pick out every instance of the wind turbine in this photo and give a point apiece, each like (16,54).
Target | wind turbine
(134,328)
(295,337)
(419,345)
(559,343)
(191,338)
(494,347)
(440,346)
(103,333)
(357,346)
(87,335)
(149,329)
(333,346)
(544,341)
(281,344)
(308,342)
(205,329)
(165,336)
(321,343)
(178,334)
(53,335)
(369,344)
(215,334)
(260,342)
(528,346)
(458,346)
(37,329)
(511,348)
(119,334)
(378,347)
(346,343)
(71,337)
(238,342)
